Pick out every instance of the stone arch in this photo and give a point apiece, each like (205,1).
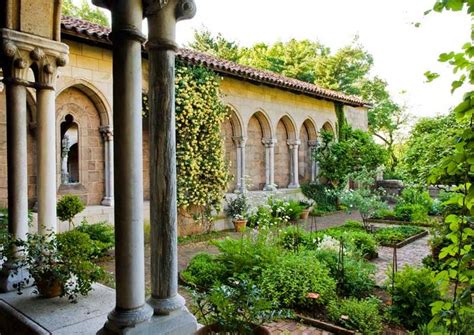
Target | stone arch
(308,136)
(258,129)
(327,126)
(231,133)
(90,118)
(95,95)
(285,132)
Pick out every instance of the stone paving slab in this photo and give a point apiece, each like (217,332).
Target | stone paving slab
(59,316)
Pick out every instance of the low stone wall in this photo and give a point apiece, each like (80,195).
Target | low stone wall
(187,225)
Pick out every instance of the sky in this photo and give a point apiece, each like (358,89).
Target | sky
(402,53)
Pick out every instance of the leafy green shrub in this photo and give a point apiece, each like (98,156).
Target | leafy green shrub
(392,235)
(292,238)
(416,196)
(293,209)
(292,277)
(323,196)
(261,217)
(360,315)
(383,213)
(358,279)
(247,255)
(364,243)
(204,271)
(353,225)
(236,307)
(101,233)
(411,212)
(68,207)
(414,291)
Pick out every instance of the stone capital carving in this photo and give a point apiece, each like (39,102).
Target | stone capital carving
(293,143)
(313,143)
(240,141)
(182,9)
(269,142)
(22,51)
(107,133)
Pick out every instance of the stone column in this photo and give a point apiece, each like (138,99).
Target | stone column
(240,142)
(172,316)
(108,136)
(269,164)
(131,309)
(15,74)
(294,182)
(313,145)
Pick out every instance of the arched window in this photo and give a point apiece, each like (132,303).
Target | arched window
(69,151)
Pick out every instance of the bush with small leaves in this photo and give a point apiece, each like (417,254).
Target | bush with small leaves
(101,233)
(68,207)
(293,277)
(413,293)
(360,315)
(204,271)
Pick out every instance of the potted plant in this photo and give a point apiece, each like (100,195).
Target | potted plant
(237,209)
(235,308)
(59,265)
(307,206)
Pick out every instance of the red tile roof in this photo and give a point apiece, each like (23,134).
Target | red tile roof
(97,33)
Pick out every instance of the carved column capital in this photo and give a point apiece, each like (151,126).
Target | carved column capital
(162,16)
(269,142)
(23,51)
(313,143)
(293,143)
(240,141)
(107,133)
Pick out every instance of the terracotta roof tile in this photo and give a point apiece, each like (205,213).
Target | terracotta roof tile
(82,28)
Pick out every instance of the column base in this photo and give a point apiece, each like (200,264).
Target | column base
(10,276)
(294,186)
(179,322)
(107,201)
(270,187)
(166,306)
(121,321)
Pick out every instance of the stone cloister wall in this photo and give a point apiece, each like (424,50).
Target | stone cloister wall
(259,114)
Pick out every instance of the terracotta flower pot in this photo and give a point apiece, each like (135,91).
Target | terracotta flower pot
(49,287)
(304,215)
(214,329)
(239,225)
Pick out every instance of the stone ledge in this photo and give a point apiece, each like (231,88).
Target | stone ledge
(55,316)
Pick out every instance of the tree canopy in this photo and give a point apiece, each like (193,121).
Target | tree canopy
(85,11)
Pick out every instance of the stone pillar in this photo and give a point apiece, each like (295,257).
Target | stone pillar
(269,164)
(294,178)
(313,145)
(172,316)
(15,74)
(108,136)
(64,159)
(131,309)
(240,142)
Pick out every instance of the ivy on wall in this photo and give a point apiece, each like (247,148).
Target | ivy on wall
(202,172)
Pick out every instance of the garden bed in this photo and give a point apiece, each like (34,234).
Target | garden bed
(398,236)
(394,221)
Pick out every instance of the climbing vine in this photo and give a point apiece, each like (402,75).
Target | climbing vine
(202,171)
(456,314)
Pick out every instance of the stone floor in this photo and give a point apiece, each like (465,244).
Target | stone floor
(412,254)
(294,328)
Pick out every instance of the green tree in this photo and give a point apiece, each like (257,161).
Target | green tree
(85,11)
(354,152)
(215,45)
(431,140)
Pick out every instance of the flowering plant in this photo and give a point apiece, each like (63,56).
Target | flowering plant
(238,207)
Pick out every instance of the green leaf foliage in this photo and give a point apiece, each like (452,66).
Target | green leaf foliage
(85,11)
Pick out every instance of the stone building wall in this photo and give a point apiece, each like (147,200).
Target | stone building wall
(259,113)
